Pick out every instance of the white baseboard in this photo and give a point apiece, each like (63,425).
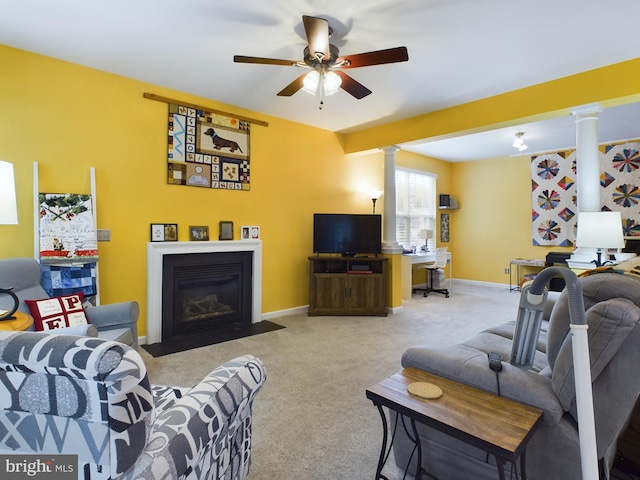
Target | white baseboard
(286,312)
(480,283)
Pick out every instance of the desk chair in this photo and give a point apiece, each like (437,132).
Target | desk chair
(431,269)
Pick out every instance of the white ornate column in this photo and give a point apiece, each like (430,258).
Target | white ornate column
(587,168)
(587,157)
(389,242)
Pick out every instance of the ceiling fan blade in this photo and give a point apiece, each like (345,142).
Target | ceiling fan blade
(264,61)
(352,87)
(293,87)
(379,57)
(317,30)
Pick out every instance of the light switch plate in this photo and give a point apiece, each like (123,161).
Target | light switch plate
(104,235)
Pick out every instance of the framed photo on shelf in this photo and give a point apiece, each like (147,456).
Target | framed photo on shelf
(199,233)
(250,233)
(226,231)
(164,232)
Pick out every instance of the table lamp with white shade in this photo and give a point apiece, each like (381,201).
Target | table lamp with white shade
(599,230)
(8,216)
(8,204)
(426,235)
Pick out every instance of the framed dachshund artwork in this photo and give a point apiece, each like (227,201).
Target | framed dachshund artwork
(207,149)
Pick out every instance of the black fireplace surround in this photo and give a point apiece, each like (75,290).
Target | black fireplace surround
(203,293)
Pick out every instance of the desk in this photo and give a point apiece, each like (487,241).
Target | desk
(408,261)
(518,262)
(21,322)
(497,425)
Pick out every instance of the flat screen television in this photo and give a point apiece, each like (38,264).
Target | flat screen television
(347,234)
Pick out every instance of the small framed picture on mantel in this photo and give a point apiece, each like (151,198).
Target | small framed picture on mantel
(226,231)
(164,232)
(250,233)
(199,234)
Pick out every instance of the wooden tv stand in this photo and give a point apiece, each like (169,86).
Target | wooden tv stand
(347,286)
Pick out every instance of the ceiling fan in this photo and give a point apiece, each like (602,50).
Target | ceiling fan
(326,64)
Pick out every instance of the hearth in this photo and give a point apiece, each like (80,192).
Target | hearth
(205,292)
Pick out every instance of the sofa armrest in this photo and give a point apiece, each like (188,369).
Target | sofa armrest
(115,315)
(212,420)
(81,330)
(470,366)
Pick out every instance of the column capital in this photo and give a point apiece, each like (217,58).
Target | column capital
(390,149)
(589,109)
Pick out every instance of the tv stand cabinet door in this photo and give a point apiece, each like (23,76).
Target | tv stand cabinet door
(328,294)
(366,295)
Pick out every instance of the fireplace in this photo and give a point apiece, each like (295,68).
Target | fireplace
(157,255)
(205,292)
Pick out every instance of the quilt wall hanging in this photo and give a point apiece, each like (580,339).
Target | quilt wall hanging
(207,149)
(554,192)
(67,229)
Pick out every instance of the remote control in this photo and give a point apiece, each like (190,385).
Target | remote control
(495,363)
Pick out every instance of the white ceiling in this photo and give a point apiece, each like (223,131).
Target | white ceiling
(459,51)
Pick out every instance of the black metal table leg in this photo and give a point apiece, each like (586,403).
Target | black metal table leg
(419,468)
(500,465)
(384,454)
(523,472)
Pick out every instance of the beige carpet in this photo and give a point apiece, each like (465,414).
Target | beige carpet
(312,420)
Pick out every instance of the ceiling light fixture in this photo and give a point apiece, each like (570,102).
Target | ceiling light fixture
(315,80)
(519,142)
(321,82)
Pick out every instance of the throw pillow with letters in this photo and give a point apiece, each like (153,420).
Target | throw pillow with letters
(57,312)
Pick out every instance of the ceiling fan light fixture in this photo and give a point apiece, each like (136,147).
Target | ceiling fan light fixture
(519,142)
(331,83)
(315,80)
(311,82)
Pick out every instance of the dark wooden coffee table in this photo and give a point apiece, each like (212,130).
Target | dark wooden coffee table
(497,425)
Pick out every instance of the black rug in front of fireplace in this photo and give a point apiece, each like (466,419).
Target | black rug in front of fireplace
(232,332)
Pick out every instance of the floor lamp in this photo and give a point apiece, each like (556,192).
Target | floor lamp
(375,195)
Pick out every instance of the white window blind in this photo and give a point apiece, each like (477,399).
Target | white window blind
(415,208)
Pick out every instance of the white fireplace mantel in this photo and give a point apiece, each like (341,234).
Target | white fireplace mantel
(157,250)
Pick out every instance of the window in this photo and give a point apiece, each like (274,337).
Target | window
(415,207)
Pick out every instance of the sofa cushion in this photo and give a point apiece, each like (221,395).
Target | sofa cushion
(610,323)
(595,288)
(58,312)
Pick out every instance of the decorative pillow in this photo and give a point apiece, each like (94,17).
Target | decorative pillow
(58,312)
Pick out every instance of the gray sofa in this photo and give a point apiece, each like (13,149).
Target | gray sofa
(117,322)
(612,308)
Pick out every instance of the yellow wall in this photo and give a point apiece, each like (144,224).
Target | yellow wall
(493,224)
(70,118)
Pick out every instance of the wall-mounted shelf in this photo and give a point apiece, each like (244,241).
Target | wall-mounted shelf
(447,202)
